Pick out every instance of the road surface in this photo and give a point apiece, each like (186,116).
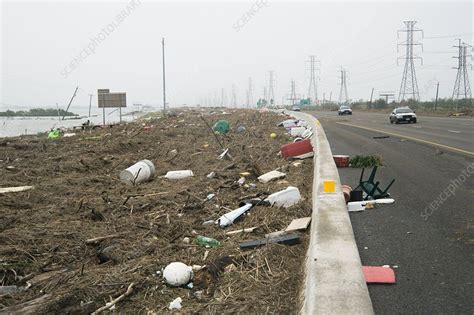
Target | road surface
(433,248)
(455,134)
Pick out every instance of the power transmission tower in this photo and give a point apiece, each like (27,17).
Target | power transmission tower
(409,85)
(313,86)
(293,96)
(249,94)
(271,93)
(90,104)
(462,87)
(234,97)
(343,96)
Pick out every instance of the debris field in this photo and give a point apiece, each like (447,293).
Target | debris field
(81,240)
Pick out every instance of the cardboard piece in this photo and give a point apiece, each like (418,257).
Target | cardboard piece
(298,224)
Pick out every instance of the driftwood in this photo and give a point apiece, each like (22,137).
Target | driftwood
(113,302)
(15,189)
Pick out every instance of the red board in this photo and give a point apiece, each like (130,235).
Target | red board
(296,148)
(378,274)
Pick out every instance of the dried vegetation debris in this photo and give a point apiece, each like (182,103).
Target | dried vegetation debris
(82,237)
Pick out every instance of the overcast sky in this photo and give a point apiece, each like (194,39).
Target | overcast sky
(49,48)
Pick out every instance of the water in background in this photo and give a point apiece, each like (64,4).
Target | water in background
(16,126)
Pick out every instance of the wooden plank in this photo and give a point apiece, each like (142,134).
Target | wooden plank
(298,224)
(15,189)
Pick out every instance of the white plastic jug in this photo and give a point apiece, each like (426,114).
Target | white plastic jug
(285,198)
(179,174)
(138,172)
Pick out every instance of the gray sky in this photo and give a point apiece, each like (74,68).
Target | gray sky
(211,45)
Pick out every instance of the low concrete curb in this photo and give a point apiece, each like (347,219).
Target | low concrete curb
(334,282)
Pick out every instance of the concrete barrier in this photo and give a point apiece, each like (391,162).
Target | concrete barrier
(334,282)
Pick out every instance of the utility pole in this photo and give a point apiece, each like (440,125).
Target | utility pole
(371,95)
(164,77)
(249,95)
(271,93)
(343,96)
(330,96)
(324,97)
(265,95)
(90,104)
(70,101)
(436,100)
(409,85)
(462,87)
(313,87)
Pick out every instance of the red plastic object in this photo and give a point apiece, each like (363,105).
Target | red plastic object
(378,274)
(296,148)
(346,189)
(342,160)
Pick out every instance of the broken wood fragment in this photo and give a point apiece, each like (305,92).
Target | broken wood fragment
(100,238)
(15,189)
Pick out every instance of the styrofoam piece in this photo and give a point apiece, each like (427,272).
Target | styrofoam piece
(230,217)
(355,206)
(177,274)
(179,174)
(138,172)
(285,198)
(267,177)
(382,200)
(175,304)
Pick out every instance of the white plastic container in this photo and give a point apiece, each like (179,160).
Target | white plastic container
(297,131)
(288,123)
(138,172)
(285,198)
(230,217)
(179,174)
(307,133)
(302,123)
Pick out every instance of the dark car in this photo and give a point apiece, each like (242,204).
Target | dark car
(402,114)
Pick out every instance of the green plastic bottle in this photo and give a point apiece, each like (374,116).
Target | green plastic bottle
(207,242)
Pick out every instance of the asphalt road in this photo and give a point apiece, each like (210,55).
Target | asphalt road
(456,133)
(433,248)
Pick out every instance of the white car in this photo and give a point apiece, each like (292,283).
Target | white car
(402,114)
(344,110)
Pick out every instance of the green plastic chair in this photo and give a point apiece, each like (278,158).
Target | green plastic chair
(371,188)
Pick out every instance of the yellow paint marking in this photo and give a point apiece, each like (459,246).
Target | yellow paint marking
(413,139)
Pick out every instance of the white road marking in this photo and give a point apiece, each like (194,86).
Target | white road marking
(454,131)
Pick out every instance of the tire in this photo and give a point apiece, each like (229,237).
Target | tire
(414,121)
(391,121)
(396,121)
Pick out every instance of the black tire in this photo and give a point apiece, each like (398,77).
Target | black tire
(391,121)
(414,121)
(396,121)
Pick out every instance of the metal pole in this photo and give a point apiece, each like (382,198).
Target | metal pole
(103,116)
(120,113)
(371,96)
(164,77)
(90,104)
(74,95)
(436,101)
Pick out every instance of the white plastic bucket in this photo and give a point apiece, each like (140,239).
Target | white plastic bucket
(138,172)
(179,174)
(285,198)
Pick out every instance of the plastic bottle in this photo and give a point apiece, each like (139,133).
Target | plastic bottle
(207,241)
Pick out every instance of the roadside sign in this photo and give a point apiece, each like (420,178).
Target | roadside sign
(108,100)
